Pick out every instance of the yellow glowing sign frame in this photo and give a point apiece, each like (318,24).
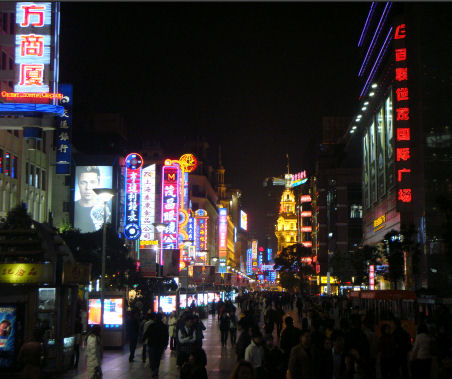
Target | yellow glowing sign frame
(380,222)
(26,273)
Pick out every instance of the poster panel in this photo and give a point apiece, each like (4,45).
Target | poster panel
(171,262)
(88,207)
(7,335)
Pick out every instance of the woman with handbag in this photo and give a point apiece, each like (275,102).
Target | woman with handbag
(94,353)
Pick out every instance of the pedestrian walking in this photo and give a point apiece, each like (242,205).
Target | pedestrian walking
(132,329)
(244,339)
(387,351)
(279,314)
(157,337)
(301,362)
(147,321)
(94,353)
(254,353)
(186,340)
(199,327)
(243,370)
(31,355)
(224,328)
(172,321)
(421,357)
(273,360)
(233,327)
(290,337)
(195,367)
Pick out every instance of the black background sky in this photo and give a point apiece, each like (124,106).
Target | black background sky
(255,77)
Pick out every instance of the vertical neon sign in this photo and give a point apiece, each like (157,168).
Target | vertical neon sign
(147,203)
(223,229)
(133,163)
(371,277)
(33,46)
(402,118)
(170,204)
(201,230)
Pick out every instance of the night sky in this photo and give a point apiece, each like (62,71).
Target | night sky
(255,78)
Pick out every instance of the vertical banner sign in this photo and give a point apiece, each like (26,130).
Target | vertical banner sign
(133,163)
(201,230)
(170,204)
(223,232)
(371,277)
(64,132)
(254,249)
(33,47)
(147,204)
(186,204)
(191,230)
(402,118)
(249,262)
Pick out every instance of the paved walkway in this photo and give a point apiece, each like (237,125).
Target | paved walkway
(220,361)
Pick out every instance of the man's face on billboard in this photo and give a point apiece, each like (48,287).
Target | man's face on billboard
(87,182)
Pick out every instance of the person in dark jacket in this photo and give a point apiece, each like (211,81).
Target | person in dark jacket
(224,328)
(195,367)
(273,360)
(157,337)
(290,337)
(244,339)
(132,328)
(199,328)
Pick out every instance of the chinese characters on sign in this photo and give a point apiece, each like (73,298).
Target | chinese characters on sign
(201,230)
(147,203)
(249,262)
(132,229)
(64,132)
(33,46)
(170,204)
(402,117)
(223,232)
(371,277)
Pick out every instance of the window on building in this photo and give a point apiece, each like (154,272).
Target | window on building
(32,174)
(7,163)
(11,64)
(5,23)
(27,172)
(356,211)
(44,145)
(14,167)
(43,181)
(16,133)
(37,178)
(12,22)
(3,60)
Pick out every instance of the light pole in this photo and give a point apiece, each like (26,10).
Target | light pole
(105,194)
(160,227)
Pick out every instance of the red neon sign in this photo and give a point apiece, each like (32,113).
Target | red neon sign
(306,214)
(305,198)
(306,229)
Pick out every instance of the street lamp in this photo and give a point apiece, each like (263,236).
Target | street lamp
(105,194)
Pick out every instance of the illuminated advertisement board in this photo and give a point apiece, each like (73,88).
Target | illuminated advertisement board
(34,45)
(298,179)
(88,207)
(64,132)
(7,335)
(201,219)
(167,303)
(113,312)
(254,249)
(243,220)
(183,301)
(133,163)
(170,204)
(147,203)
(223,232)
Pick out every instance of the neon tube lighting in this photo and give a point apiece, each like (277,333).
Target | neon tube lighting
(375,37)
(377,62)
(366,25)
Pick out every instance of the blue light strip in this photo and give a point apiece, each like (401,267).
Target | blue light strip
(375,37)
(56,110)
(366,25)
(377,62)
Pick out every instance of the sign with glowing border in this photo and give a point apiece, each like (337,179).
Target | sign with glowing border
(243,220)
(133,163)
(147,203)
(170,204)
(223,232)
(201,219)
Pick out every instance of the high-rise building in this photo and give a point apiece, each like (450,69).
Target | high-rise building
(403,126)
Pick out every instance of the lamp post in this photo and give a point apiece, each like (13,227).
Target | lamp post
(105,194)
(160,227)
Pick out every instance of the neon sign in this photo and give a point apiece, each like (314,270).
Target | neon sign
(249,262)
(305,198)
(223,231)
(170,204)
(372,277)
(306,214)
(188,162)
(133,163)
(64,133)
(33,47)
(147,204)
(22,95)
(402,118)
(299,179)
(254,249)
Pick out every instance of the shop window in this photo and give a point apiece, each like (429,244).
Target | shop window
(31,175)
(7,163)
(37,174)
(12,21)
(46,299)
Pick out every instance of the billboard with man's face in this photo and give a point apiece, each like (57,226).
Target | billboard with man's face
(88,207)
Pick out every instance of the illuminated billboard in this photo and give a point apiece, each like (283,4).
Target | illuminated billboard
(170,204)
(254,249)
(243,220)
(88,207)
(167,303)
(7,335)
(132,228)
(223,232)
(147,204)
(113,312)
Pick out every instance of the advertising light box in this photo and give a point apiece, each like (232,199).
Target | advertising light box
(183,301)
(7,335)
(243,220)
(113,312)
(89,207)
(167,303)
